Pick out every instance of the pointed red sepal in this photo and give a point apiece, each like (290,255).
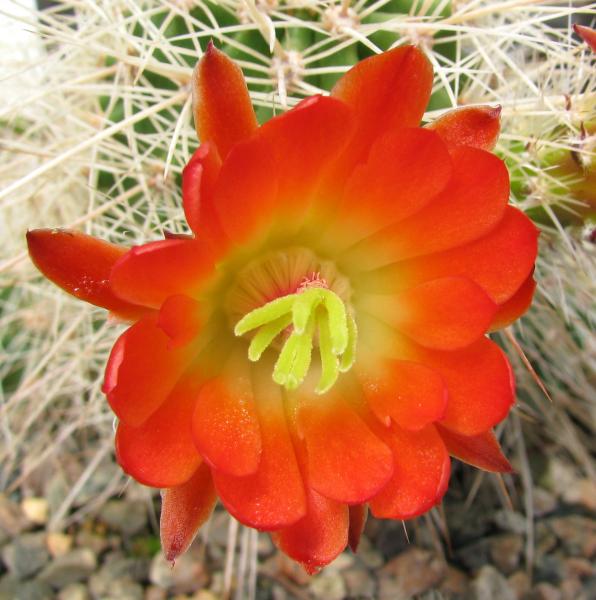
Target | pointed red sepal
(80,265)
(221,104)
(476,126)
(481,451)
(198,184)
(515,307)
(319,537)
(587,34)
(358,515)
(184,509)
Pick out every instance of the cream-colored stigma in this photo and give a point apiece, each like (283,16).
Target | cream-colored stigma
(312,314)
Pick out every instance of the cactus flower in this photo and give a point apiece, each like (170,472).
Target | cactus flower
(318,347)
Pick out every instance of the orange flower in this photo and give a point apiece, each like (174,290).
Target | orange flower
(319,345)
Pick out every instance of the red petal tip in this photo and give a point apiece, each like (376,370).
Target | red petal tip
(587,34)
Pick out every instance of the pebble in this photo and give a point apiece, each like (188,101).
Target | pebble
(456,584)
(77,565)
(359,583)
(116,566)
(12,519)
(74,591)
(36,510)
(520,583)
(509,520)
(505,551)
(328,585)
(576,533)
(128,518)
(545,591)
(489,584)
(26,555)
(25,590)
(187,575)
(59,543)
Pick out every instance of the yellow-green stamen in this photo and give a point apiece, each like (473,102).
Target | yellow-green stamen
(310,312)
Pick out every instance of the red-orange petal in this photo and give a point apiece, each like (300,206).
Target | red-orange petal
(184,509)
(198,184)
(180,318)
(225,426)
(222,108)
(150,273)
(444,314)
(472,204)
(386,92)
(479,381)
(481,451)
(347,462)
(304,141)
(246,191)
(358,514)
(499,262)
(587,34)
(515,307)
(476,126)
(161,451)
(142,370)
(80,265)
(420,477)
(396,180)
(319,537)
(409,393)
(274,496)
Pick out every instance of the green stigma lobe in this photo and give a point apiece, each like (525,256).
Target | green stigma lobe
(309,315)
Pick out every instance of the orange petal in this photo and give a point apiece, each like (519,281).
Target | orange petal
(499,262)
(142,371)
(476,126)
(587,34)
(409,393)
(225,426)
(482,451)
(161,452)
(472,204)
(319,537)
(444,314)
(358,514)
(386,92)
(81,265)
(180,318)
(346,460)
(515,307)
(183,510)
(150,273)
(479,382)
(396,181)
(304,141)
(222,108)
(273,497)
(198,185)
(246,191)
(420,477)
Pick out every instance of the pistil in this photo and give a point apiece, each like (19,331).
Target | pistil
(313,316)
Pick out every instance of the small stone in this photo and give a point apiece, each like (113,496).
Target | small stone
(280,563)
(36,510)
(124,589)
(580,567)
(582,492)
(117,566)
(369,555)
(489,584)
(544,502)
(414,571)
(359,583)
(545,591)
(59,543)
(520,583)
(74,591)
(473,556)
(28,590)
(545,540)
(509,520)
(94,541)
(154,592)
(506,551)
(125,517)
(26,555)
(344,561)
(456,584)
(576,533)
(12,519)
(73,567)
(328,586)
(572,589)
(188,574)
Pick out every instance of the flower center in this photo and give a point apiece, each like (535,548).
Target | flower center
(311,312)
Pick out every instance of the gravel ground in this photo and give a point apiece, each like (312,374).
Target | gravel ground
(486,552)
